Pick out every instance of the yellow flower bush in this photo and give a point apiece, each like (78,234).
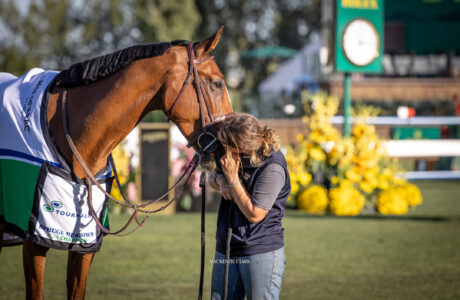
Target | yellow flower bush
(345,200)
(353,174)
(356,170)
(310,157)
(397,200)
(313,200)
(121,160)
(304,178)
(411,194)
(316,153)
(392,201)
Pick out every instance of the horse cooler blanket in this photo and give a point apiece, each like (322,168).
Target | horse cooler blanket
(40,199)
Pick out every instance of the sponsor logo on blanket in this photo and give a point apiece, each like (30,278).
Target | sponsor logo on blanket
(58,208)
(66,236)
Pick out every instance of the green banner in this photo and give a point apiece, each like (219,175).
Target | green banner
(416,133)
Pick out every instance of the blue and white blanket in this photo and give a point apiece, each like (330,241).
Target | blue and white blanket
(40,200)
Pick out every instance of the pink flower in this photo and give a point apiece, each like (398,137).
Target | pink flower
(178,167)
(131,191)
(194,183)
(189,153)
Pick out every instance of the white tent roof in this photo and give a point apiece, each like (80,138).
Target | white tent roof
(306,62)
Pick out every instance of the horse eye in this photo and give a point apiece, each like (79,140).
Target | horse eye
(218,84)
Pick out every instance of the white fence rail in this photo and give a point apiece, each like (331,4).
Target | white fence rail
(413,121)
(431,175)
(423,148)
(419,148)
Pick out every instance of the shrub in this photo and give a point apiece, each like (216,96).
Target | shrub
(313,200)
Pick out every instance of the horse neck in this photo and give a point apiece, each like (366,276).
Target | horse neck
(101,114)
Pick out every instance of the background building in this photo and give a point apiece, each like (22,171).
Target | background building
(421,63)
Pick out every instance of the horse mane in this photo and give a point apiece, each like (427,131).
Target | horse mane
(94,69)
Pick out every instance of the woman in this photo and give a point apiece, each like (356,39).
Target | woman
(255,186)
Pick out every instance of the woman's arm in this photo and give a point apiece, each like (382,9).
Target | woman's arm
(242,198)
(230,166)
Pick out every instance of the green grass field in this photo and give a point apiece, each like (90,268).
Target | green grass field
(415,256)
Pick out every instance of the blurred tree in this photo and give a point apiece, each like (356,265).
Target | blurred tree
(53,34)
(31,37)
(98,27)
(166,20)
(250,24)
(296,20)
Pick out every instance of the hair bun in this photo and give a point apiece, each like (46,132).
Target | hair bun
(270,142)
(266,131)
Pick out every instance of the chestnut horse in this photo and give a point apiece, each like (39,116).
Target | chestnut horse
(104,107)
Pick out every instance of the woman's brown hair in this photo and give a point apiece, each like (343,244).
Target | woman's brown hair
(248,135)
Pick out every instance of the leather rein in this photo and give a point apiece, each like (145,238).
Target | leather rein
(204,105)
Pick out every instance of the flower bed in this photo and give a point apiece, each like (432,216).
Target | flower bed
(345,175)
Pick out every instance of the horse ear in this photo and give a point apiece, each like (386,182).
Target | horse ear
(206,46)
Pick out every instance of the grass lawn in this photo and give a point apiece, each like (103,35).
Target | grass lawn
(415,256)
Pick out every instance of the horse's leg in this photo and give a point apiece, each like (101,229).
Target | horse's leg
(77,271)
(34,257)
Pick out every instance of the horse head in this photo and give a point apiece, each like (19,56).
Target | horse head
(197,83)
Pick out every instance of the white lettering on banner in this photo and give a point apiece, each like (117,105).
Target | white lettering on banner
(51,230)
(60,235)
(77,234)
(362,4)
(62,238)
(71,214)
(27,107)
(70,234)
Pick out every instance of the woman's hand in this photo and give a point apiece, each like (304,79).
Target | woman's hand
(230,163)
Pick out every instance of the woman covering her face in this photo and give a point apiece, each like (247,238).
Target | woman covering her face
(255,186)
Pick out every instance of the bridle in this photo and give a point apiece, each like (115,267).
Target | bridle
(205,139)
(202,98)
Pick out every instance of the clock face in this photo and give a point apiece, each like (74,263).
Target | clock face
(360,42)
